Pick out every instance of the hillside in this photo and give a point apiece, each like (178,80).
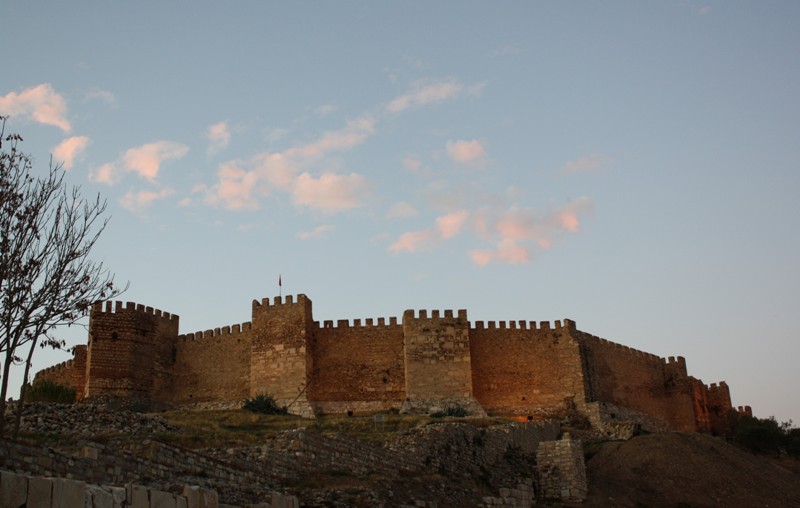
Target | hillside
(682,470)
(353,462)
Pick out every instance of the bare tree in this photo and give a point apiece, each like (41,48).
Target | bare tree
(47,279)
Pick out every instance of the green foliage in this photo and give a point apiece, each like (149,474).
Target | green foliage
(50,391)
(766,435)
(265,404)
(451,412)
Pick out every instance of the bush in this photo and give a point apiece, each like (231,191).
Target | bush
(265,404)
(50,391)
(451,411)
(766,435)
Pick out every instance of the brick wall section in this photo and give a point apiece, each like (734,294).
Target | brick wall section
(438,361)
(358,367)
(212,366)
(279,361)
(626,377)
(521,368)
(130,350)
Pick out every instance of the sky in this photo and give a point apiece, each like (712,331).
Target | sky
(632,166)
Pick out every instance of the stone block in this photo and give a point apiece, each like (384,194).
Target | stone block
(119,495)
(137,496)
(160,499)
(97,497)
(68,493)
(208,498)
(40,493)
(192,495)
(180,502)
(13,490)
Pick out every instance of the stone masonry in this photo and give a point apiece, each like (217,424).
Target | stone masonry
(426,362)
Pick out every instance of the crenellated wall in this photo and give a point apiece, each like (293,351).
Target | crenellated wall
(427,362)
(358,367)
(212,365)
(522,368)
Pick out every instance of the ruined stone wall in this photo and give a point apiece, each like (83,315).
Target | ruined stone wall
(522,368)
(358,367)
(438,361)
(278,359)
(129,351)
(213,365)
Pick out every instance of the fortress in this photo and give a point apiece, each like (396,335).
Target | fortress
(424,362)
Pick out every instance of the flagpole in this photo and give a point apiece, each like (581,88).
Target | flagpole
(280,287)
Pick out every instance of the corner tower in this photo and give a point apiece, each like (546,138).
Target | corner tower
(279,363)
(129,351)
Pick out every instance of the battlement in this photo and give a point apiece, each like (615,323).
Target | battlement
(622,348)
(116,307)
(368,323)
(278,301)
(218,332)
(411,314)
(523,325)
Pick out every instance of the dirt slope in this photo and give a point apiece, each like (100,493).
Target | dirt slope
(682,470)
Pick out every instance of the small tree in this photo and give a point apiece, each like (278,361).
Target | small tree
(47,280)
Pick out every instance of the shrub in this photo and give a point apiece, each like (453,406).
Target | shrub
(50,391)
(265,404)
(451,411)
(766,435)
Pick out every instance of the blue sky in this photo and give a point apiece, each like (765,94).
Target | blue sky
(629,165)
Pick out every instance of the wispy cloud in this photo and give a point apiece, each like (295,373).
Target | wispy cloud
(516,232)
(145,160)
(70,149)
(107,174)
(41,104)
(218,135)
(242,184)
(465,152)
(425,92)
(96,93)
(446,226)
(585,164)
(318,232)
(138,202)
(330,192)
(401,209)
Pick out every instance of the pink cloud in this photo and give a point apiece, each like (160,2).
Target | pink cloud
(107,174)
(412,241)
(425,93)
(236,189)
(585,164)
(71,148)
(514,229)
(137,202)
(330,192)
(40,103)
(241,188)
(219,136)
(465,152)
(354,133)
(317,232)
(449,225)
(146,159)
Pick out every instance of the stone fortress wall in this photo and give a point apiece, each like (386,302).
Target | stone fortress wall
(422,363)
